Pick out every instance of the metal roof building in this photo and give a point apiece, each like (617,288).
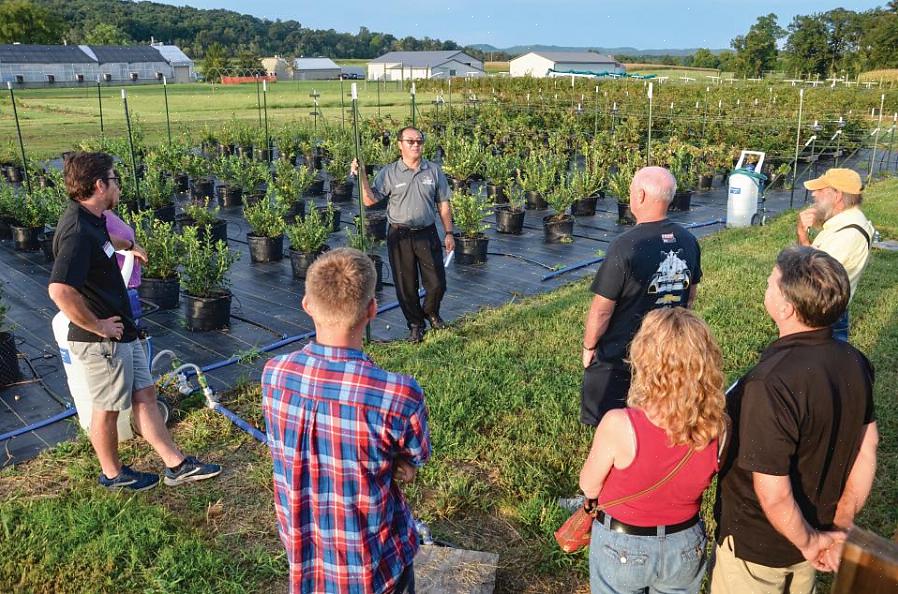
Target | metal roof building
(315,69)
(414,65)
(542,64)
(70,64)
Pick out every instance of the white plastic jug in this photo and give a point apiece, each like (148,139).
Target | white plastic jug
(744,189)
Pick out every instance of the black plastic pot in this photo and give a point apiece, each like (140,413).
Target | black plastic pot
(164,292)
(624,214)
(165,213)
(341,191)
(253,197)
(496,194)
(682,201)
(245,151)
(203,188)
(15,174)
(458,184)
(705,182)
(182,182)
(558,230)
(9,360)
(25,239)
(229,196)
(376,225)
(585,207)
(265,249)
(379,270)
(509,220)
(535,201)
(46,241)
(217,230)
(208,313)
(5,228)
(317,188)
(263,154)
(471,250)
(322,210)
(300,261)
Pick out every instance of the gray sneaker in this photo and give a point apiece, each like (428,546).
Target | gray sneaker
(190,470)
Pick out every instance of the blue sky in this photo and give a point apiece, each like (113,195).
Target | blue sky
(644,24)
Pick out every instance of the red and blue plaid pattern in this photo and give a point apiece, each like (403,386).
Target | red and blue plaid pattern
(336,424)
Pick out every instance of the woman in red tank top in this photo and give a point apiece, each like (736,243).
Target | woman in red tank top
(664,444)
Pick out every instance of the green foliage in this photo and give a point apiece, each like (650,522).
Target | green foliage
(156,188)
(756,51)
(22,21)
(540,171)
(358,240)
(468,212)
(266,217)
(163,244)
(107,34)
(309,233)
(341,150)
(201,214)
(206,264)
(291,182)
(464,156)
(561,198)
(249,175)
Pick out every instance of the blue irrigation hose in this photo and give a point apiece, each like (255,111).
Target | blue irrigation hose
(591,261)
(234,418)
(69,412)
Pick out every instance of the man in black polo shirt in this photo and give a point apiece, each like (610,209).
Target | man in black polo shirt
(655,264)
(87,286)
(418,192)
(803,451)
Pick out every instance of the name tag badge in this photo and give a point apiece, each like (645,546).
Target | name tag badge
(108,249)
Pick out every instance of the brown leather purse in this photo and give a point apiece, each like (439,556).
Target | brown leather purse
(575,533)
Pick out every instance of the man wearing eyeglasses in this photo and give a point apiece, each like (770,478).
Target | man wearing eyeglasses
(87,286)
(417,192)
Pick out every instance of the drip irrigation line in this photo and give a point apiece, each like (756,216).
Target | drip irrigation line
(522,258)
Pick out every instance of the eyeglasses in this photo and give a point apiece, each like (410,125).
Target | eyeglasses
(413,141)
(115,178)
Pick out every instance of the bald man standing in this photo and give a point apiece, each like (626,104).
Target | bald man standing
(655,264)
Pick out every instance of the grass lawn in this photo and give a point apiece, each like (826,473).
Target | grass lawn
(55,120)
(503,391)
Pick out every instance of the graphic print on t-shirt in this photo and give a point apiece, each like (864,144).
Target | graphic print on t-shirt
(671,279)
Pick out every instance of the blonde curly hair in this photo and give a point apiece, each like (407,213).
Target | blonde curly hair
(678,377)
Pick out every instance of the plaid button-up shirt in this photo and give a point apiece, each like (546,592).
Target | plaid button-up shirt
(336,425)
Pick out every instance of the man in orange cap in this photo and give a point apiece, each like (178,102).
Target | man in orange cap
(845,233)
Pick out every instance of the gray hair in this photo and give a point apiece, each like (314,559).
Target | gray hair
(657,182)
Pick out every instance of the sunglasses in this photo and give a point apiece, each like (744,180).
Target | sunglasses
(413,141)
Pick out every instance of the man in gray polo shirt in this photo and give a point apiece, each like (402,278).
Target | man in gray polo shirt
(417,191)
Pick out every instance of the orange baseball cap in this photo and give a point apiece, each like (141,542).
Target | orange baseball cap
(843,180)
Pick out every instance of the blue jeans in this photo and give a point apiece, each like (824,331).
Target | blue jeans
(840,328)
(624,564)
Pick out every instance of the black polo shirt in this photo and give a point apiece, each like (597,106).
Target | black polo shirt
(85,260)
(800,412)
(652,265)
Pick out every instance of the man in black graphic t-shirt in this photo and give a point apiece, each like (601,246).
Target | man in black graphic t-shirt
(655,264)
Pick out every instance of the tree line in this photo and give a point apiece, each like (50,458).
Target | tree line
(837,42)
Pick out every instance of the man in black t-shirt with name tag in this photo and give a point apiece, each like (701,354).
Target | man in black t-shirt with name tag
(655,264)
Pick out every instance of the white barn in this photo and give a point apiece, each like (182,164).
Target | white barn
(543,64)
(315,69)
(182,66)
(417,65)
(45,64)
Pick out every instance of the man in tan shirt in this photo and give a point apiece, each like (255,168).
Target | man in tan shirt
(845,233)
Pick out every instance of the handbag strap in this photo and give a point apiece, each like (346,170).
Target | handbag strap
(648,490)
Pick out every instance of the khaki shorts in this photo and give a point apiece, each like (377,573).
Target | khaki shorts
(113,371)
(732,575)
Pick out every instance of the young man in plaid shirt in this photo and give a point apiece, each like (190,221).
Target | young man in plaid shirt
(341,432)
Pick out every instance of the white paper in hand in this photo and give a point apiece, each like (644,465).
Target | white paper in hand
(448,259)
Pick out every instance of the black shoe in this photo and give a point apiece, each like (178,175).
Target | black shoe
(415,334)
(190,470)
(436,322)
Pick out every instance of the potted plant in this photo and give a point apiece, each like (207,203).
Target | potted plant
(468,212)
(9,356)
(200,171)
(586,189)
(680,164)
(28,219)
(341,186)
(54,204)
(160,280)
(266,236)
(365,243)
(7,209)
(206,221)
(538,175)
(290,185)
(330,214)
(227,169)
(498,171)
(559,227)
(463,161)
(250,176)
(308,240)
(158,191)
(619,186)
(205,281)
(510,216)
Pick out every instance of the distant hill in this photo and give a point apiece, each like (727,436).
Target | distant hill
(517,50)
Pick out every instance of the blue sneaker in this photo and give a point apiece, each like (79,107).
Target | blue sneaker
(129,479)
(190,470)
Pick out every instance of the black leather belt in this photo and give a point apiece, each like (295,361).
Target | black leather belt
(618,526)
(407,229)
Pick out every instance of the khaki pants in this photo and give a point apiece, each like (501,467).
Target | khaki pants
(734,576)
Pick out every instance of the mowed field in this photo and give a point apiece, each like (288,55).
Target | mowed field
(55,120)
